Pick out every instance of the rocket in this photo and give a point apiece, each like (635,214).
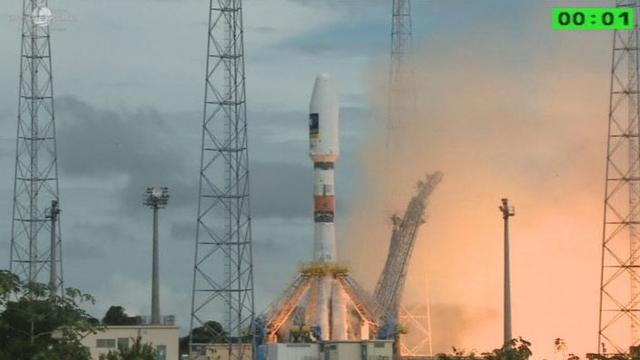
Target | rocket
(324,149)
(324,295)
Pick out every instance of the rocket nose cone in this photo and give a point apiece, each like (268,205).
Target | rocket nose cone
(323,91)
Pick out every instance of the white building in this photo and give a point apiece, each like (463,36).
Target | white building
(221,352)
(163,338)
(291,351)
(329,350)
(354,350)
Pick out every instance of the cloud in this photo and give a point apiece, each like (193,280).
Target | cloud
(349,6)
(146,147)
(349,39)
(281,190)
(97,144)
(78,250)
(183,231)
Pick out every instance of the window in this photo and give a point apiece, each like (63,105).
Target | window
(123,343)
(105,343)
(162,352)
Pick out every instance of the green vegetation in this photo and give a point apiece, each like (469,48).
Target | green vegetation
(37,325)
(117,316)
(516,349)
(137,351)
(211,332)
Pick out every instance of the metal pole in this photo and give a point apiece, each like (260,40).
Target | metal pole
(155,283)
(53,258)
(506,213)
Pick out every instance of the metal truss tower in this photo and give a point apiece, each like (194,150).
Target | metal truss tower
(35,253)
(402,104)
(223,269)
(620,278)
(401,89)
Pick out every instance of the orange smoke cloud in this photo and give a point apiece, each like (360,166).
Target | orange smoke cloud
(523,121)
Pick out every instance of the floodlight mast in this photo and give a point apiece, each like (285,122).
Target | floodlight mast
(507,212)
(156,198)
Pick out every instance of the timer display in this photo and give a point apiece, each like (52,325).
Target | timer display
(620,18)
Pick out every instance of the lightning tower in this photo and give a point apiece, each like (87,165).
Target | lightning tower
(402,104)
(35,253)
(620,279)
(401,91)
(223,269)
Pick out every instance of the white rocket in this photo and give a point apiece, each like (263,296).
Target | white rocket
(324,149)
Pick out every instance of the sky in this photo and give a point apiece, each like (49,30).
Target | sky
(507,107)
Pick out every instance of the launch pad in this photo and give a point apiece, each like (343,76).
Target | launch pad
(296,315)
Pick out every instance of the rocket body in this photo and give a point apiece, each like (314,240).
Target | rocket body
(324,149)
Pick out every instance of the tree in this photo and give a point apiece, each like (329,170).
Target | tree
(210,332)
(516,349)
(117,316)
(458,354)
(38,325)
(560,347)
(137,351)
(9,284)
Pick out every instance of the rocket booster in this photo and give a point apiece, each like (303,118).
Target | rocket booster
(324,149)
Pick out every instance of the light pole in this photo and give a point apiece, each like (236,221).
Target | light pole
(156,198)
(507,212)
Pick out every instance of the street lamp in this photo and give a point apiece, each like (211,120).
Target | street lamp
(156,198)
